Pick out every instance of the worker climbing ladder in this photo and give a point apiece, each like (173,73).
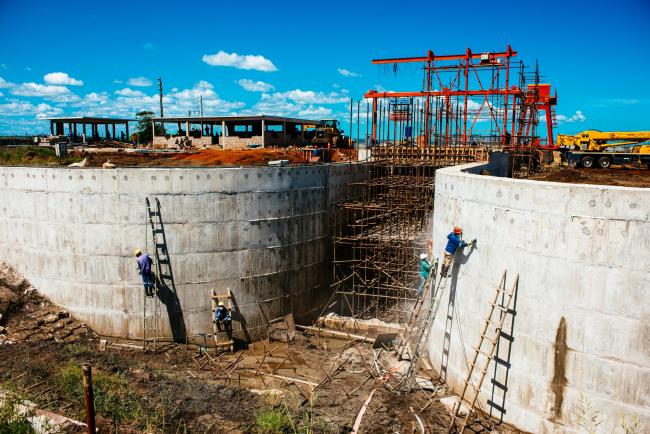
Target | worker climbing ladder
(222,339)
(421,330)
(490,339)
(151,310)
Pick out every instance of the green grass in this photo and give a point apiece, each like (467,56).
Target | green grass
(31,155)
(115,399)
(11,421)
(273,421)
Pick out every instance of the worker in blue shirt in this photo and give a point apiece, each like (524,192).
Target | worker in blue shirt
(222,317)
(455,241)
(144,267)
(425,267)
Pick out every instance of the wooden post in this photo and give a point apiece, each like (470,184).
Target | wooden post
(89,397)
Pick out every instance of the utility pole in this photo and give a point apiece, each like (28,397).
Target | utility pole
(201,103)
(160,90)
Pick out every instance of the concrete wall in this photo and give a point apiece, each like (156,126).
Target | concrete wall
(263,231)
(583,305)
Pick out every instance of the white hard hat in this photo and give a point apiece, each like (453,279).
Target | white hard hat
(423,256)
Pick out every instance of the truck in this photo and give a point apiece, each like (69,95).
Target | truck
(328,131)
(601,149)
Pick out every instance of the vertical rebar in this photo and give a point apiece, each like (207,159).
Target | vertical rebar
(89,397)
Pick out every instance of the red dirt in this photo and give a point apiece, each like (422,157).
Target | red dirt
(618,177)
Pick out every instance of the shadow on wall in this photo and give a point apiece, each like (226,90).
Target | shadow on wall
(165,286)
(459,259)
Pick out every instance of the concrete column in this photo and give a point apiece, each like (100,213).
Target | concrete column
(263,134)
(284,133)
(187,128)
(106,131)
(74,129)
(179,128)
(127,131)
(223,128)
(302,135)
(113,132)
(51,128)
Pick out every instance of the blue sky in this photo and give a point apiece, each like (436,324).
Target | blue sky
(291,58)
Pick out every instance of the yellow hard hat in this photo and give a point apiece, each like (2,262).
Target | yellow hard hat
(220,304)
(137,252)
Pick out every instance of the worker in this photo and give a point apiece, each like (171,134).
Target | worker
(144,267)
(425,267)
(222,317)
(455,240)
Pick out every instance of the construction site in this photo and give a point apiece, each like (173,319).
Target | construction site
(302,280)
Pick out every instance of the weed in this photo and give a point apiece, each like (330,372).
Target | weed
(631,427)
(587,417)
(75,351)
(273,421)
(11,419)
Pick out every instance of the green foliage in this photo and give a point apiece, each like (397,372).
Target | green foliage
(144,129)
(30,155)
(11,421)
(113,397)
(274,421)
(75,351)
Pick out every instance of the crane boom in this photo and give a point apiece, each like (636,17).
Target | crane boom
(593,140)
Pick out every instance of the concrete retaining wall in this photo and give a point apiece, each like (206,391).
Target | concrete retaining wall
(583,305)
(262,231)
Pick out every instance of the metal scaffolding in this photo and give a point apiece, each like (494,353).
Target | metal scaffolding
(470,104)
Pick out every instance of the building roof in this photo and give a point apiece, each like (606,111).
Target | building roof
(90,120)
(198,119)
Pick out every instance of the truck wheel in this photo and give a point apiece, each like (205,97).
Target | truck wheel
(587,162)
(604,162)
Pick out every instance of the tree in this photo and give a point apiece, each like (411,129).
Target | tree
(144,130)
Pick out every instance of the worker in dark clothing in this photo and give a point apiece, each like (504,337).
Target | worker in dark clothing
(144,267)
(425,268)
(222,318)
(455,241)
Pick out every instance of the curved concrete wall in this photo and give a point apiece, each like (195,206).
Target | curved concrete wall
(261,231)
(583,306)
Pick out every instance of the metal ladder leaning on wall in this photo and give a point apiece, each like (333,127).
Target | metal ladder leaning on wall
(421,331)
(151,309)
(219,342)
(458,421)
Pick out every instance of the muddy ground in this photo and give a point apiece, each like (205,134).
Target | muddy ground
(619,176)
(96,157)
(318,384)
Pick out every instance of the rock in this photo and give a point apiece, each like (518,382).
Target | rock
(40,322)
(102,345)
(3,330)
(13,281)
(8,299)
(70,339)
(62,334)
(57,326)
(51,318)
(63,314)
(45,337)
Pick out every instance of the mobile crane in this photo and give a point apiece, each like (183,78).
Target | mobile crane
(593,148)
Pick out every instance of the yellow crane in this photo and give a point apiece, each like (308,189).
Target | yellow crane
(593,148)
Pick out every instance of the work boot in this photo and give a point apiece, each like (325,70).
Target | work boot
(443,271)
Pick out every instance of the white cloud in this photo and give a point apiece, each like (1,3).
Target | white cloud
(28,68)
(149,46)
(577,117)
(5,84)
(116,81)
(255,86)
(23,108)
(315,112)
(255,62)
(2,94)
(61,78)
(380,88)
(129,92)
(347,73)
(42,90)
(311,97)
(139,82)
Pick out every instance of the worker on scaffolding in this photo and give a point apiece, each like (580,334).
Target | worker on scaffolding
(454,241)
(425,268)
(222,318)
(144,267)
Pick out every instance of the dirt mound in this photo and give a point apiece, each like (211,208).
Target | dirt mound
(27,316)
(618,177)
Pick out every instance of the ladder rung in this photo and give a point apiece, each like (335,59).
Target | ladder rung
(478,350)
(214,297)
(157,231)
(165,276)
(160,245)
(499,385)
(496,406)
(502,362)
(506,336)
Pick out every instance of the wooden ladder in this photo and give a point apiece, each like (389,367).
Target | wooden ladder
(490,340)
(219,341)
